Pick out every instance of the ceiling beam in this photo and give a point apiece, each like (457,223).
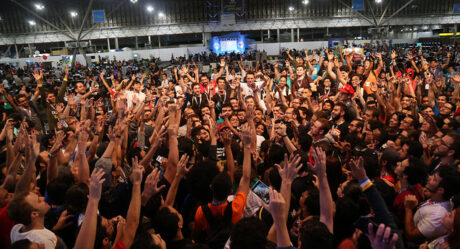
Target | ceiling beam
(71,36)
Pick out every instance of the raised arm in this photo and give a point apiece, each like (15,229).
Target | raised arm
(32,150)
(247,143)
(288,172)
(173,156)
(325,198)
(447,61)
(52,171)
(134,210)
(87,234)
(182,170)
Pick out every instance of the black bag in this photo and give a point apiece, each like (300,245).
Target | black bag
(219,229)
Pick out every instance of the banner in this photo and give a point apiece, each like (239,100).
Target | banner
(358,4)
(98,16)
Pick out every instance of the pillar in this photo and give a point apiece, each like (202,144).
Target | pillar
(150,40)
(292,35)
(137,42)
(116,43)
(30,50)
(159,41)
(268,35)
(262,36)
(298,35)
(108,44)
(278,35)
(205,42)
(17,51)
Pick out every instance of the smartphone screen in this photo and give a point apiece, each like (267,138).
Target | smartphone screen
(261,190)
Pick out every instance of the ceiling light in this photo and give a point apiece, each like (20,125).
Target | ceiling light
(305,2)
(161,14)
(73,13)
(133,1)
(32,23)
(39,6)
(291,8)
(378,1)
(149,8)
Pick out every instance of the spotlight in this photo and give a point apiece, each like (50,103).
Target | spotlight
(133,1)
(32,23)
(161,14)
(378,1)
(305,2)
(149,8)
(39,6)
(291,8)
(73,13)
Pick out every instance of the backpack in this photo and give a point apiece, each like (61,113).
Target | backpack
(219,229)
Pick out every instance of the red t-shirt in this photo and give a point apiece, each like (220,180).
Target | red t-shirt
(6,224)
(398,203)
(119,245)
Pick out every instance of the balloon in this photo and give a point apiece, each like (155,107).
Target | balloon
(45,57)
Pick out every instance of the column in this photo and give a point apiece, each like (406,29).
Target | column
(298,35)
(205,41)
(30,50)
(268,35)
(17,51)
(278,35)
(159,41)
(262,36)
(89,43)
(116,43)
(150,40)
(137,43)
(292,34)
(108,44)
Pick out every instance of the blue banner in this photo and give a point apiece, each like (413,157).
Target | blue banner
(456,8)
(98,16)
(358,4)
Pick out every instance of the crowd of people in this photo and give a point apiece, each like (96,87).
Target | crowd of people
(318,150)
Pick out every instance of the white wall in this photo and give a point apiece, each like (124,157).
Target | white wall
(165,53)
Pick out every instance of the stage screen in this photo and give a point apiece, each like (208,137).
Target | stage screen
(228,46)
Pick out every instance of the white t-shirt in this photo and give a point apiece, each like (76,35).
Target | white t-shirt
(129,97)
(428,218)
(39,236)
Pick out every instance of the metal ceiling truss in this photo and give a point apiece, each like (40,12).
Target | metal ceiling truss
(172,29)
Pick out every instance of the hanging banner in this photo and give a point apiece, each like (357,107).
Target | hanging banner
(358,4)
(98,16)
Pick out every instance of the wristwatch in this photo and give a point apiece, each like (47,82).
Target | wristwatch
(51,155)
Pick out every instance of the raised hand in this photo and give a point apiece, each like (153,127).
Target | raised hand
(290,169)
(319,156)
(182,169)
(60,135)
(63,221)
(277,206)
(380,239)
(250,113)
(246,136)
(138,170)
(226,137)
(410,202)
(357,169)
(151,183)
(38,75)
(95,184)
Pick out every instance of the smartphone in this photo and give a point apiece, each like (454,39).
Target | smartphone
(261,190)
